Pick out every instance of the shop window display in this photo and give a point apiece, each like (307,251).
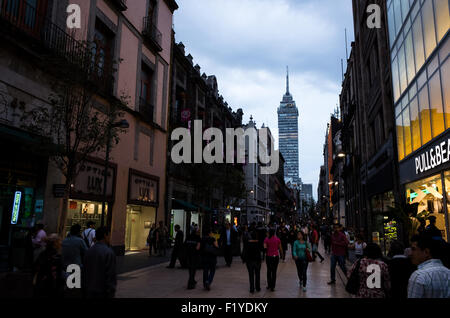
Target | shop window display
(428,194)
(385,229)
(81,212)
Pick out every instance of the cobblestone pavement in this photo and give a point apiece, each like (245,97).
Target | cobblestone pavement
(231,282)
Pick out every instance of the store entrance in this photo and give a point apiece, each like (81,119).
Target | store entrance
(138,224)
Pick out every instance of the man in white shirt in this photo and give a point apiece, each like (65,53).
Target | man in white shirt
(89,234)
(432,278)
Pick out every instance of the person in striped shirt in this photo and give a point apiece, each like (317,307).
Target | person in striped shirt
(432,278)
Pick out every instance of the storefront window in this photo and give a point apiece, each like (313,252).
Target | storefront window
(384,230)
(407,130)
(427,193)
(81,212)
(447,188)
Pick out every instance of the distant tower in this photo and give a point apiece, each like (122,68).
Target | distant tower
(288,135)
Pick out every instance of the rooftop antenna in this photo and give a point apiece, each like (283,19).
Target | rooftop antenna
(287,80)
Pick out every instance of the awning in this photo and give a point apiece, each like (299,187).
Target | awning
(205,208)
(183,205)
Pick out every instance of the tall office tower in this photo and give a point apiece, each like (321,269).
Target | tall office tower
(288,135)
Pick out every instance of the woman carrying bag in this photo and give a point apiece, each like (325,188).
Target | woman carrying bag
(302,256)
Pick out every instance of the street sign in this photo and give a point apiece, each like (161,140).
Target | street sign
(16,207)
(59,190)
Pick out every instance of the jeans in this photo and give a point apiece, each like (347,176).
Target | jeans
(302,268)
(209,269)
(254,271)
(334,260)
(272,266)
(315,251)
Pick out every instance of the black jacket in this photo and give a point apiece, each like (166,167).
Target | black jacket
(400,269)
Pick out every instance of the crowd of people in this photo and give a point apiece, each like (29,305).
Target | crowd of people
(90,250)
(419,271)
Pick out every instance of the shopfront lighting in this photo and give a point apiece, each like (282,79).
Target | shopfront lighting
(341,155)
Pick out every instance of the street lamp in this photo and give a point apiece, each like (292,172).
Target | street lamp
(123,124)
(246,204)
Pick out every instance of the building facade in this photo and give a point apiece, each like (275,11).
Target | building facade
(200,193)
(136,33)
(420,45)
(288,135)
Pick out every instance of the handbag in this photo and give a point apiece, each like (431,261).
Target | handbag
(309,258)
(352,285)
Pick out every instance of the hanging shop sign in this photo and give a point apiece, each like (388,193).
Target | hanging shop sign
(427,160)
(142,188)
(90,180)
(16,207)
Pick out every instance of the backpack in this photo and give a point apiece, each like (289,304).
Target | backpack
(86,238)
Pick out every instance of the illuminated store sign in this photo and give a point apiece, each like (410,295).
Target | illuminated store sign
(433,157)
(16,207)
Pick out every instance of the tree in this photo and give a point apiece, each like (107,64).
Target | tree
(76,121)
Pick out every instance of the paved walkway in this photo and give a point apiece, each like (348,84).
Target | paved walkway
(160,282)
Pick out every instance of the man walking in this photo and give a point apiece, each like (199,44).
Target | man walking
(339,245)
(432,278)
(100,267)
(177,247)
(89,234)
(227,241)
(161,238)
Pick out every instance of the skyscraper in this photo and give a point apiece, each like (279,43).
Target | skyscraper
(288,135)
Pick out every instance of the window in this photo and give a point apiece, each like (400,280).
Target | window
(146,84)
(428,27)
(102,48)
(442,18)
(418,43)
(407,131)
(410,66)
(415,124)
(445,71)
(425,119)
(437,115)
(400,139)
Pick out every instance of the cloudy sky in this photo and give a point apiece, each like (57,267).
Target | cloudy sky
(247,44)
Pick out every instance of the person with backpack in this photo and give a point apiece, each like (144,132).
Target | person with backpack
(209,250)
(89,234)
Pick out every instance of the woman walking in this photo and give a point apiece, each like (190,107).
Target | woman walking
(301,261)
(359,247)
(273,246)
(209,249)
(252,257)
(372,256)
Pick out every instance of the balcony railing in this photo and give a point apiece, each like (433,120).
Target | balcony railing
(21,19)
(152,34)
(146,110)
